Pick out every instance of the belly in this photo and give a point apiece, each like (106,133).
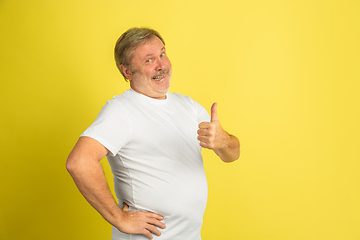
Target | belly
(181,193)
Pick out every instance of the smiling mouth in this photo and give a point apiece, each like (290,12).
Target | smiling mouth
(159,78)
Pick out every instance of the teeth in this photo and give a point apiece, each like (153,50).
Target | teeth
(159,77)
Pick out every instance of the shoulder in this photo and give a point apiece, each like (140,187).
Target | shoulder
(119,101)
(182,98)
(188,103)
(121,98)
(117,107)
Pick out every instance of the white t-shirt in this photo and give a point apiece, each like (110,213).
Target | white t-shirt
(156,159)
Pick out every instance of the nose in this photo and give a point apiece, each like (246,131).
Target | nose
(160,64)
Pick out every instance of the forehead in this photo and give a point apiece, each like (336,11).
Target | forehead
(150,47)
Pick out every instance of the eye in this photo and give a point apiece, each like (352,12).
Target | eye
(149,60)
(163,54)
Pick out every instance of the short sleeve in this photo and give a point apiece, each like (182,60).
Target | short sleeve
(111,128)
(202,114)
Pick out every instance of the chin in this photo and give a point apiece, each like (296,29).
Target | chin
(163,90)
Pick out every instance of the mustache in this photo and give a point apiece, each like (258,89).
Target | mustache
(162,72)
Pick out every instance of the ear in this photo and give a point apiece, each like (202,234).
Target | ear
(126,71)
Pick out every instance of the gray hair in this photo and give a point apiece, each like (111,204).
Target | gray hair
(127,42)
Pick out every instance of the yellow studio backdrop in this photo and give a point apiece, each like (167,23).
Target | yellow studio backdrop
(285,75)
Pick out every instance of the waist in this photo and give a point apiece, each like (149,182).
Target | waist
(183,196)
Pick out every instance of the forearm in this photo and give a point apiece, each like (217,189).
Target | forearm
(84,166)
(90,180)
(231,150)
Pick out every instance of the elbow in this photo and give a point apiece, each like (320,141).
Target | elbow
(235,156)
(229,158)
(232,159)
(238,153)
(71,165)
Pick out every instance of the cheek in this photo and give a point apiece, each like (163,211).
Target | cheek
(149,73)
(168,63)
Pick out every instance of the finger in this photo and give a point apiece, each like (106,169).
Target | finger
(154,215)
(202,132)
(153,229)
(209,131)
(147,234)
(214,116)
(203,138)
(125,207)
(204,125)
(204,145)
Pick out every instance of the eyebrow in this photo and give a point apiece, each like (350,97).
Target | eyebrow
(150,54)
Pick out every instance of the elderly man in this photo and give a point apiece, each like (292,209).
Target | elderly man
(152,140)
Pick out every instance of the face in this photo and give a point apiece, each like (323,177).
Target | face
(152,67)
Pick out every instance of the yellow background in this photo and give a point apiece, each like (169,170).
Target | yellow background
(285,75)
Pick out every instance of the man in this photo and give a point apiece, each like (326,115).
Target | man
(152,139)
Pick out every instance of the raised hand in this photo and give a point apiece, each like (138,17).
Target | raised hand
(136,222)
(210,134)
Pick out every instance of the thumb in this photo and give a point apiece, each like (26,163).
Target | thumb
(125,207)
(214,113)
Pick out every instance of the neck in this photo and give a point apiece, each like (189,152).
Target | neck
(161,97)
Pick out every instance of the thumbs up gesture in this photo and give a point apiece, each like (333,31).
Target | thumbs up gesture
(210,134)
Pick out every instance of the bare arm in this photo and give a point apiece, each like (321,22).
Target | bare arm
(212,136)
(231,150)
(85,169)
